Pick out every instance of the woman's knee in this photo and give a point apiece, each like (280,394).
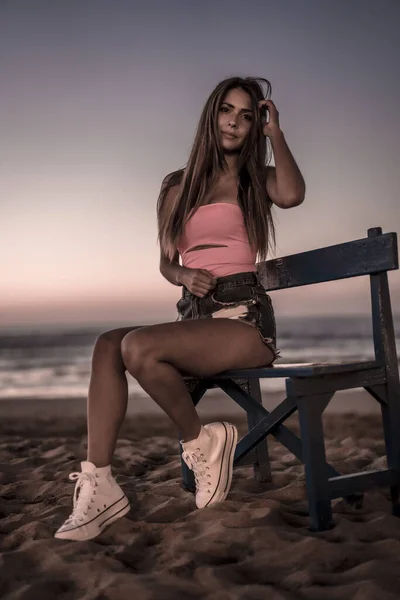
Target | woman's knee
(108,347)
(138,351)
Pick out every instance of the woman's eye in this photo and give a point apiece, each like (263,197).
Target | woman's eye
(224,108)
(248,117)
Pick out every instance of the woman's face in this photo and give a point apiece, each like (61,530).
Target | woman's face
(234,119)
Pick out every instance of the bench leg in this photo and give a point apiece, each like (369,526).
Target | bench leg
(391,429)
(196,392)
(262,467)
(187,474)
(312,437)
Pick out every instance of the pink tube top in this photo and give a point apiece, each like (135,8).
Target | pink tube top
(218,223)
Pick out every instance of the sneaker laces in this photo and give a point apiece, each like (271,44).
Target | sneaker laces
(196,462)
(83,494)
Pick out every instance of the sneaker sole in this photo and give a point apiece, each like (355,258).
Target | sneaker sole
(102,521)
(228,456)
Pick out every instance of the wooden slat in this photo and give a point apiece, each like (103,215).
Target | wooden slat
(272,423)
(379,392)
(248,395)
(338,487)
(297,386)
(351,259)
(262,465)
(294,370)
(385,351)
(314,458)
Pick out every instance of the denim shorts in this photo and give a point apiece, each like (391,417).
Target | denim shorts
(239,296)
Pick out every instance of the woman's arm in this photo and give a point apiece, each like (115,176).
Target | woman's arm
(170,269)
(285,183)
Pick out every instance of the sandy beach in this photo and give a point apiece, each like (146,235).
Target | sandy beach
(255,545)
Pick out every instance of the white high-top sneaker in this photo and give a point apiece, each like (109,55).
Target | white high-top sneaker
(210,456)
(98,501)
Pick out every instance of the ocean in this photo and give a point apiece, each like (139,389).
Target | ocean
(56,363)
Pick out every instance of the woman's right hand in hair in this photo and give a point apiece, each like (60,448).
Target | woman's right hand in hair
(198,281)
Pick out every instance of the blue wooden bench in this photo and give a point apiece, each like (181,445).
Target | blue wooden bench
(310,387)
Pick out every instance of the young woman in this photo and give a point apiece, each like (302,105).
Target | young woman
(216,215)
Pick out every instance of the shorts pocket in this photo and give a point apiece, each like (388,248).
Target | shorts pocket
(242,294)
(184,308)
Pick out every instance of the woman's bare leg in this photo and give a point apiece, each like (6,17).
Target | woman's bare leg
(138,347)
(98,499)
(157,355)
(108,396)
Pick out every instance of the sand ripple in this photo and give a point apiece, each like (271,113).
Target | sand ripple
(256,545)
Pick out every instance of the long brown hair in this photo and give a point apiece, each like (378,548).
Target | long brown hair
(207,160)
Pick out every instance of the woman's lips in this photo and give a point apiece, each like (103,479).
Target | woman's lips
(230,136)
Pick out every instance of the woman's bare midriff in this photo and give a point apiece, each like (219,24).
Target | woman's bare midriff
(205,246)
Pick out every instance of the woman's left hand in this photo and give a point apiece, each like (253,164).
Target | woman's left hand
(272,126)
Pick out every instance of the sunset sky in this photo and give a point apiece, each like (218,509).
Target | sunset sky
(100,100)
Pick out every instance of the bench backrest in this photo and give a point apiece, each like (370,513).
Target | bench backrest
(373,256)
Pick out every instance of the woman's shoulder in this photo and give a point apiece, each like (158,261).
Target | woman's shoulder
(172,179)
(169,189)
